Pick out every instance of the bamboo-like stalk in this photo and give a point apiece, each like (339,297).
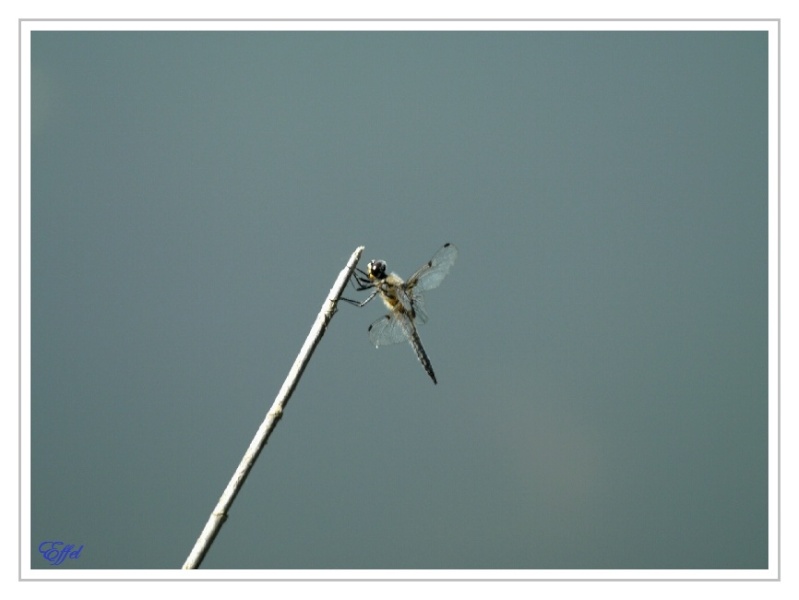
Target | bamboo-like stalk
(220,512)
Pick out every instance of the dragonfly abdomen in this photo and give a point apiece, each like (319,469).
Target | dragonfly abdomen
(422,355)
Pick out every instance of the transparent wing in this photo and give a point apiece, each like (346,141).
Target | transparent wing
(413,302)
(418,307)
(433,272)
(390,329)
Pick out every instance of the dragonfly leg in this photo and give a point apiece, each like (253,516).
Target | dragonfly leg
(362,279)
(360,304)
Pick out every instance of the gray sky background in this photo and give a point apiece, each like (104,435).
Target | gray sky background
(600,345)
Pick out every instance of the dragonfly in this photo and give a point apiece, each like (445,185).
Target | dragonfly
(404,300)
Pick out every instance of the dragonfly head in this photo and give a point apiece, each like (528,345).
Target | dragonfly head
(376,269)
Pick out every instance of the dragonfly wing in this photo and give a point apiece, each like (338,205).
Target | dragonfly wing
(432,273)
(389,329)
(412,303)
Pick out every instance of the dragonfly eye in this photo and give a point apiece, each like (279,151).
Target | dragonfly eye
(377,269)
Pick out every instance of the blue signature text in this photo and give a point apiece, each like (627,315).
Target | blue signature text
(58,552)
